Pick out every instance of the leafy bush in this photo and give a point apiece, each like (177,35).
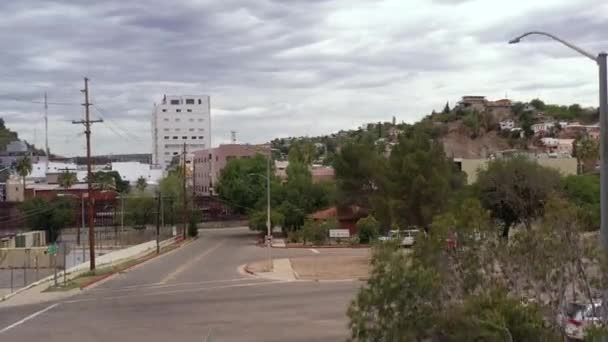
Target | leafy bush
(192,227)
(368,229)
(294,236)
(257,220)
(315,233)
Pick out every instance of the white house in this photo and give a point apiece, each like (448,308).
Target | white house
(542,127)
(507,124)
(550,142)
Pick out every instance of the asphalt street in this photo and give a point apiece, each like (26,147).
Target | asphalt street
(194,293)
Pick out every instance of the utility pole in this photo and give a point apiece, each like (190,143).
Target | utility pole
(185,215)
(87,131)
(46,132)
(158,197)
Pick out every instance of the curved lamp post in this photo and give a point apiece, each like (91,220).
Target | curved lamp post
(600,59)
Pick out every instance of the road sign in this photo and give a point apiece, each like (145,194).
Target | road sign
(52,249)
(339,233)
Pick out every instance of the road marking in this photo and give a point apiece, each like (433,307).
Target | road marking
(28,318)
(315,251)
(200,289)
(183,267)
(159,285)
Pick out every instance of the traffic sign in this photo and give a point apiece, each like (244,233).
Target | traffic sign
(52,249)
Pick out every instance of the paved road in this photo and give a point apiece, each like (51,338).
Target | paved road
(195,293)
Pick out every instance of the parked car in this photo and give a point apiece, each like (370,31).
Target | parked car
(407,237)
(579,317)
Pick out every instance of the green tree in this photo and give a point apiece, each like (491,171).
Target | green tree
(473,121)
(140,210)
(302,151)
(368,229)
(242,183)
(446,109)
(357,168)
(587,153)
(257,220)
(172,190)
(515,190)
(48,216)
(419,180)
(103,181)
(141,184)
(192,227)
(67,179)
(24,168)
(584,192)
(538,104)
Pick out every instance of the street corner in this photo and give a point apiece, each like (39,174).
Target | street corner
(275,269)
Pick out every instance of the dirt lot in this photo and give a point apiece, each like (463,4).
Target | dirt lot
(331,267)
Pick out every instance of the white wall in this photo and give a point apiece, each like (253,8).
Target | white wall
(169,127)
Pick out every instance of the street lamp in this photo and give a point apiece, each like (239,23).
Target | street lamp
(268,222)
(600,59)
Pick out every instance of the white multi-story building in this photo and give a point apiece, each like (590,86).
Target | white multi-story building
(178,120)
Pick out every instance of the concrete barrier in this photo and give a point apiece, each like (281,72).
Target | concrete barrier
(29,258)
(102,261)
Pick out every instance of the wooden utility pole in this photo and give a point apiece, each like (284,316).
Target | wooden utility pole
(87,131)
(158,199)
(185,217)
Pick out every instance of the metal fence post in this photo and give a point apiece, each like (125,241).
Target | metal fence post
(11,268)
(24,273)
(37,274)
(64,263)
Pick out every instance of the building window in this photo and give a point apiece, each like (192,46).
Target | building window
(174,137)
(191,120)
(166,130)
(200,120)
(200,102)
(189,110)
(178,110)
(174,153)
(189,101)
(167,153)
(184,137)
(166,137)
(166,119)
(177,120)
(201,137)
(216,158)
(174,102)
(191,129)
(201,129)
(193,137)
(178,129)
(164,110)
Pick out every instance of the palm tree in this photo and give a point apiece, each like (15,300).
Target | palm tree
(24,168)
(141,184)
(104,181)
(67,179)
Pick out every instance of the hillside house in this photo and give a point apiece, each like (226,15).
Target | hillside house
(508,124)
(549,142)
(542,127)
(565,147)
(477,103)
(500,108)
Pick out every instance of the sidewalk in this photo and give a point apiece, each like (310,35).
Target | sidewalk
(281,270)
(33,293)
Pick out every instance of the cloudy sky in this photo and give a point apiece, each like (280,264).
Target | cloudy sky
(276,68)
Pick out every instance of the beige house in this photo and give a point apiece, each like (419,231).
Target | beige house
(14,189)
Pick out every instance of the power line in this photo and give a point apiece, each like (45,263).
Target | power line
(102,114)
(38,102)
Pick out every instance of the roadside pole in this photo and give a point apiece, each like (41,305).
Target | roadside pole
(158,197)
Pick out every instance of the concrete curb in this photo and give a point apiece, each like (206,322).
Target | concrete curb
(72,274)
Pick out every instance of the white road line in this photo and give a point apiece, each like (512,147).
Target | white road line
(28,318)
(315,251)
(160,293)
(159,285)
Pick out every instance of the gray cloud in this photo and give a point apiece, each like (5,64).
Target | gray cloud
(271,67)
